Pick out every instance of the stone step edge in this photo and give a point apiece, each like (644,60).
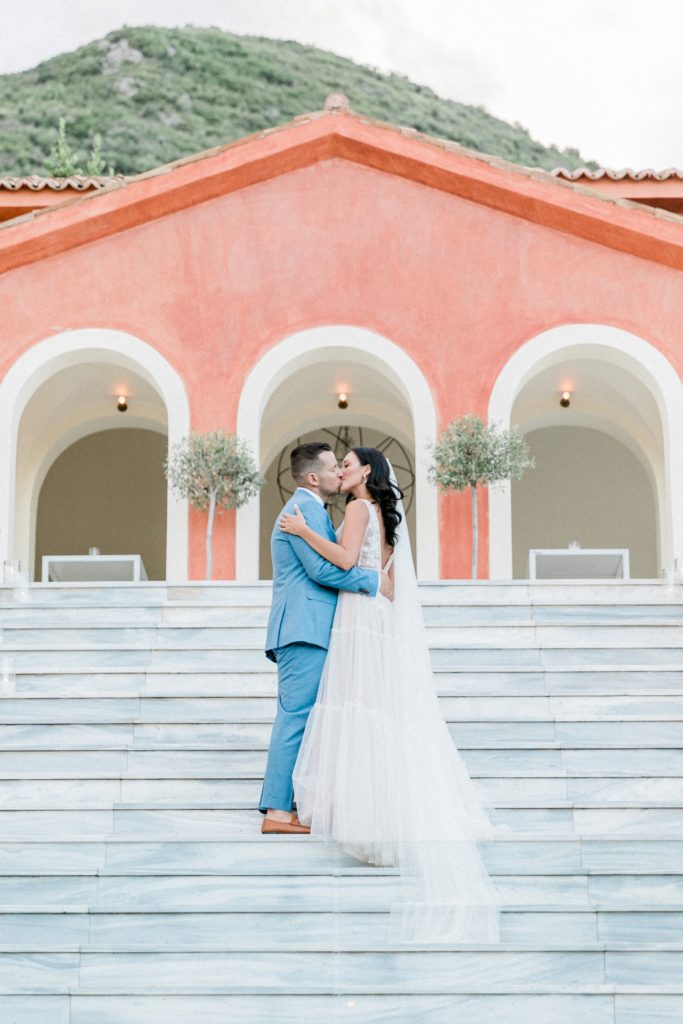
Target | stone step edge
(537,833)
(228,720)
(142,694)
(206,748)
(82,700)
(519,606)
(173,991)
(244,805)
(379,947)
(240,720)
(268,668)
(538,591)
(162,625)
(196,720)
(200,701)
(320,871)
(465,690)
(150,588)
(219,592)
(153,775)
(69,838)
(73,910)
(157,648)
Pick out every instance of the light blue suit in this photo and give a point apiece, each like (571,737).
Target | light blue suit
(305,590)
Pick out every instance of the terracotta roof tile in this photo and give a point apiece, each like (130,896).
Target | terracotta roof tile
(625,174)
(77,182)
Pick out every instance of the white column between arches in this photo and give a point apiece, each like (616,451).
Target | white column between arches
(68,348)
(388,358)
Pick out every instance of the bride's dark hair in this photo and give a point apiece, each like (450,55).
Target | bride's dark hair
(382,490)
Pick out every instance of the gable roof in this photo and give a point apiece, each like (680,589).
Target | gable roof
(533,195)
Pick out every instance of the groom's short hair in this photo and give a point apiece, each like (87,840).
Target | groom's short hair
(305,459)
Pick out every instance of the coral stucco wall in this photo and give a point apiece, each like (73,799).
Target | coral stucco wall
(460,286)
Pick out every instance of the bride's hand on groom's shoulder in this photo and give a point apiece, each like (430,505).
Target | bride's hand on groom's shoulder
(293,523)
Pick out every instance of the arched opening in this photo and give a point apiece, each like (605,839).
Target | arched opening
(107,491)
(280,485)
(293,393)
(586,488)
(64,390)
(606,471)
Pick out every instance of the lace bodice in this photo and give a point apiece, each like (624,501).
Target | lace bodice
(370,554)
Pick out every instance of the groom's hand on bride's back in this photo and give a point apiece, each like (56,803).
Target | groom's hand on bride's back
(386,585)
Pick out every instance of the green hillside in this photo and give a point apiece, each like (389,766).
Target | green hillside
(157,94)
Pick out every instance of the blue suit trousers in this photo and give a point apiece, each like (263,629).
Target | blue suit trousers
(299,669)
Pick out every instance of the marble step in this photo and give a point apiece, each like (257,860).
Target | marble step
(250,764)
(171,762)
(429,972)
(613,1005)
(588,1007)
(485,615)
(229,635)
(521,854)
(183,823)
(518,854)
(646,681)
(591,1006)
(348,889)
(61,931)
(251,735)
(610,846)
(249,659)
(437,591)
(255,612)
(209,709)
(233,633)
(301,972)
(553,790)
(246,796)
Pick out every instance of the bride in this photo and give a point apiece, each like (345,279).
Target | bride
(377,770)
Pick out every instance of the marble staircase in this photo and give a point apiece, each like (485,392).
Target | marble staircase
(135,887)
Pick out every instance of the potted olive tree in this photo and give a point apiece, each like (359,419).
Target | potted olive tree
(213,471)
(471,453)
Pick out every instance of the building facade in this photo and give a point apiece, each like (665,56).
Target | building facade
(247,287)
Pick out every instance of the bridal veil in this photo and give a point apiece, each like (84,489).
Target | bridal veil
(446,892)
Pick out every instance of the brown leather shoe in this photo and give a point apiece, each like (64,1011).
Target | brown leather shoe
(270,827)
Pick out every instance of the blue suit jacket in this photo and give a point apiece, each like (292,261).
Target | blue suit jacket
(305,585)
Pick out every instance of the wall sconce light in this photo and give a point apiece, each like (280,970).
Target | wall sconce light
(122,403)
(343,400)
(565,399)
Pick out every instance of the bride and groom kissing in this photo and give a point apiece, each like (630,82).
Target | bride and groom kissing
(359,745)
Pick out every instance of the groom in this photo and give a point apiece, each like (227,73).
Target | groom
(305,590)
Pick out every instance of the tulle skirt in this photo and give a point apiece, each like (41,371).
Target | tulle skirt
(379,774)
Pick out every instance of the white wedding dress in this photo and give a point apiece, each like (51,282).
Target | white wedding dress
(378,772)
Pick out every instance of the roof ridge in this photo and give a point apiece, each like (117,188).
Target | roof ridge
(573,174)
(79,182)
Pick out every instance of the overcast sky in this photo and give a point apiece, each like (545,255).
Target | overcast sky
(604,76)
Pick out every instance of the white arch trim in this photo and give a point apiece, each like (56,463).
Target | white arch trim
(361,345)
(69,348)
(643,360)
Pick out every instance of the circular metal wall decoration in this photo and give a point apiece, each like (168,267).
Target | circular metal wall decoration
(340,440)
